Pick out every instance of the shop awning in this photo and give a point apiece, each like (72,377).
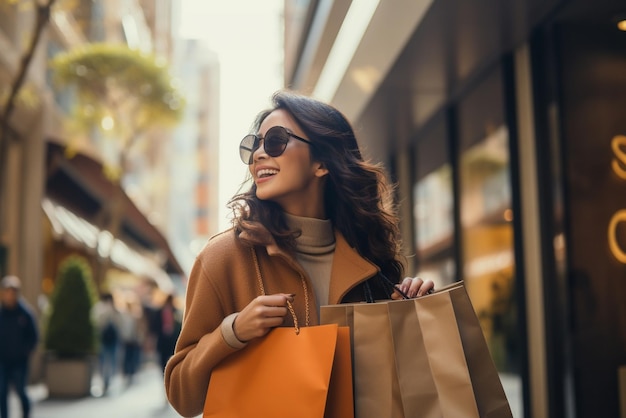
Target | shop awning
(68,226)
(77,189)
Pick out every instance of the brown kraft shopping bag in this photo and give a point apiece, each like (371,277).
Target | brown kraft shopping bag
(376,392)
(417,386)
(490,396)
(424,357)
(443,349)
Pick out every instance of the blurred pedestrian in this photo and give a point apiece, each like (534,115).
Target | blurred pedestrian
(168,324)
(108,321)
(19,336)
(132,333)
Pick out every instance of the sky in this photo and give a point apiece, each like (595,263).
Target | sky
(247,35)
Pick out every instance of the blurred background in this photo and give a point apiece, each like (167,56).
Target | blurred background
(502,122)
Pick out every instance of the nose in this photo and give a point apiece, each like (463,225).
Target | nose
(260,152)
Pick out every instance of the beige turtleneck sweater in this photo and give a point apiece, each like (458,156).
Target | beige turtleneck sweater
(315,248)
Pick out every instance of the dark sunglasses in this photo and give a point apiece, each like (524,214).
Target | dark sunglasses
(274,143)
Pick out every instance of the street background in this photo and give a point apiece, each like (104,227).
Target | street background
(500,122)
(145,398)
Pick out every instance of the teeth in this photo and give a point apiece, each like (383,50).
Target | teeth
(266,172)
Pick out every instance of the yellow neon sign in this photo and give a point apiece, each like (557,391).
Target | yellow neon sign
(618,164)
(616,250)
(619,167)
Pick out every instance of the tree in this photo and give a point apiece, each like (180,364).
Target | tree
(121,94)
(70,332)
(70,329)
(6,111)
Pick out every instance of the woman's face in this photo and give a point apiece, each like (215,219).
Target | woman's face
(293,179)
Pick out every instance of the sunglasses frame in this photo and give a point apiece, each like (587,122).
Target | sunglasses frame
(257,140)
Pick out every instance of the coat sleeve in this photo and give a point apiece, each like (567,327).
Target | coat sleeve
(200,346)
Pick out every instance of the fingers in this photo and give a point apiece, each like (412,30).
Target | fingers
(427,287)
(261,315)
(414,287)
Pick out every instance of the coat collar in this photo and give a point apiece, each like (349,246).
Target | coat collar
(348,270)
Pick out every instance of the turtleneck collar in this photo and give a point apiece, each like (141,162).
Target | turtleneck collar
(317,235)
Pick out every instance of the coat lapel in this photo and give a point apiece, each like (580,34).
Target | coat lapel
(349,269)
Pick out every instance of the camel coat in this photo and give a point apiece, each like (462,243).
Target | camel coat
(223,281)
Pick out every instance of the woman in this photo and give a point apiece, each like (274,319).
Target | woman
(316,227)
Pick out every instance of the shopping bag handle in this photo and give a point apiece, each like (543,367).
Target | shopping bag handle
(289,305)
(369,298)
(390,285)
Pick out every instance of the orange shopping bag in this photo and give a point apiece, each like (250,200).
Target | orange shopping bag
(285,375)
(303,372)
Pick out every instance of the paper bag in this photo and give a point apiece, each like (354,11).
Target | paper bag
(285,375)
(424,357)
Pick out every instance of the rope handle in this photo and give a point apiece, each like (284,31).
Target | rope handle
(289,305)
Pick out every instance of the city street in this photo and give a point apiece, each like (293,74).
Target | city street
(176,161)
(145,398)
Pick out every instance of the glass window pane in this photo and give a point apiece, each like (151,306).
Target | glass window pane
(487,230)
(433,206)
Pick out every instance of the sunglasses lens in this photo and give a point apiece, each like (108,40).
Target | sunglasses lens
(248,145)
(275,141)
(274,144)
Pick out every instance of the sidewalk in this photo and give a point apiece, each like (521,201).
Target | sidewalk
(145,398)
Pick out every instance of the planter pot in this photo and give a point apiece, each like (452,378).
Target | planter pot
(69,377)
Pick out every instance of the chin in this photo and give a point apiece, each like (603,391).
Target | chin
(266,192)
(263,195)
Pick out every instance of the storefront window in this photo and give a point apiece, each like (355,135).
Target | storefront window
(433,212)
(486,215)
(590,239)
(487,245)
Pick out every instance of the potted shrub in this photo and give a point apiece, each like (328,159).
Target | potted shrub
(70,337)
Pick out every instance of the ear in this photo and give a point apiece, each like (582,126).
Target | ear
(321,170)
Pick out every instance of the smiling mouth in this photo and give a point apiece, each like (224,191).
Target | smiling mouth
(261,174)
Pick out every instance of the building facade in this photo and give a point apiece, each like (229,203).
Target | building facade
(194,152)
(50,204)
(503,124)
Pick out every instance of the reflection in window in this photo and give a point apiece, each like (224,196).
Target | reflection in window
(433,208)
(433,204)
(488,243)
(434,225)
(485,216)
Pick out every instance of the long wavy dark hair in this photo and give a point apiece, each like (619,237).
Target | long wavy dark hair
(358,199)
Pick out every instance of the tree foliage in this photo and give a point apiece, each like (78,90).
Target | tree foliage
(120,91)
(70,329)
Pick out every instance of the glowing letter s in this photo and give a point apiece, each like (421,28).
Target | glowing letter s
(619,167)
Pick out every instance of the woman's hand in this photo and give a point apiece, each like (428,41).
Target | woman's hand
(413,287)
(261,315)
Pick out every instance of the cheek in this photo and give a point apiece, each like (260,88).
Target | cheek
(295,168)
